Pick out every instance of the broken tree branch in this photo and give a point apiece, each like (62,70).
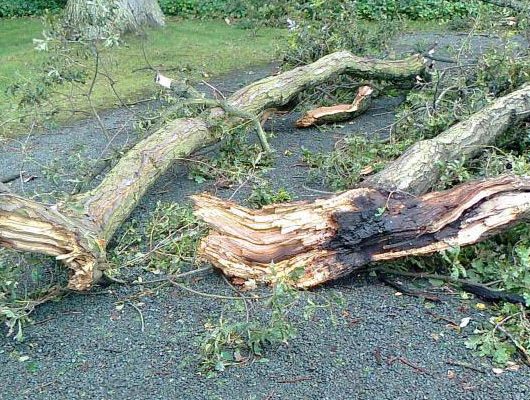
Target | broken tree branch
(330,238)
(419,168)
(77,231)
(339,112)
(383,220)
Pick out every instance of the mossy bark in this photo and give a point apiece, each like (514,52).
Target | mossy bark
(419,168)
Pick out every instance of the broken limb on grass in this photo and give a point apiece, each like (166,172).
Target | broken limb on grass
(78,230)
(329,238)
(339,112)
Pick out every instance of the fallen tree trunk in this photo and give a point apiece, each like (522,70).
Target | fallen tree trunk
(381,221)
(78,231)
(419,168)
(326,239)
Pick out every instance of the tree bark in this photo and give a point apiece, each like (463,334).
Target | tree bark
(419,168)
(98,19)
(78,231)
(140,13)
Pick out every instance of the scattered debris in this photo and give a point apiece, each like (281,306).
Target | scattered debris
(464,322)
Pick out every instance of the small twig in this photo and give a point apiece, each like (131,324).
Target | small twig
(133,103)
(162,244)
(438,99)
(247,311)
(140,313)
(43,321)
(403,360)
(295,379)
(478,289)
(438,58)
(194,272)
(407,291)
(441,317)
(316,190)
(377,355)
(465,365)
(96,71)
(414,366)
(520,348)
(215,296)
(214,89)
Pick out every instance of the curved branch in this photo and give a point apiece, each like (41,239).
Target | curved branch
(419,168)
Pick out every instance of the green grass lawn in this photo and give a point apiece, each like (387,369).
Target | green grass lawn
(204,48)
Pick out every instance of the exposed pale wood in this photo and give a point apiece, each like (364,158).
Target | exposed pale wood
(330,238)
(243,243)
(27,225)
(339,112)
(113,200)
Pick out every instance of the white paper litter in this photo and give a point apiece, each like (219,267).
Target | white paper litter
(163,80)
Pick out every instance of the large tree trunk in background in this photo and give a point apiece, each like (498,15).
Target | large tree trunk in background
(78,231)
(141,13)
(98,19)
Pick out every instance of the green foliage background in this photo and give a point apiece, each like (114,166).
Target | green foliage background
(274,10)
(20,8)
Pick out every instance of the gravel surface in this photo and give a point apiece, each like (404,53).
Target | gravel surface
(377,345)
